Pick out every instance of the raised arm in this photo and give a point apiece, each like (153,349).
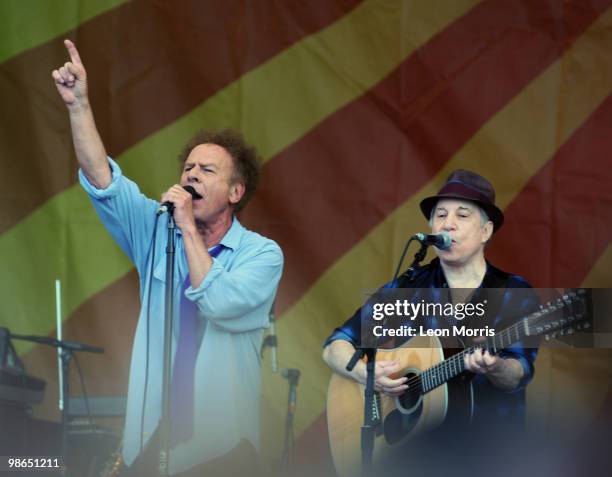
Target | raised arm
(71,83)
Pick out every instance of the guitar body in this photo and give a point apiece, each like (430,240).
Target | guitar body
(442,393)
(401,419)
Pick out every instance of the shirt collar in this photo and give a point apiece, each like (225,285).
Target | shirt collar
(232,237)
(490,279)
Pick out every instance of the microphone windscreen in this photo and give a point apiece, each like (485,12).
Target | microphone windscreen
(192,191)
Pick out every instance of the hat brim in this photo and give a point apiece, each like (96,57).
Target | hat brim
(494,213)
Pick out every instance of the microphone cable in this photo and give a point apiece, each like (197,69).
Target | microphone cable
(401,260)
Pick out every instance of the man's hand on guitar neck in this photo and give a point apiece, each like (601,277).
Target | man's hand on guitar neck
(338,353)
(503,373)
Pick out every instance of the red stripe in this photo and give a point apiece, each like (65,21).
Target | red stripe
(560,221)
(559,225)
(148,64)
(313,451)
(330,189)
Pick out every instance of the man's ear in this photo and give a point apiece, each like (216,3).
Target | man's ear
(487,231)
(237,190)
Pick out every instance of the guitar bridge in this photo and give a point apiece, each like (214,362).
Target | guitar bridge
(376,408)
(377,414)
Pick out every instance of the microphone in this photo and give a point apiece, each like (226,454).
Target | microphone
(293,376)
(271,341)
(169,206)
(441,241)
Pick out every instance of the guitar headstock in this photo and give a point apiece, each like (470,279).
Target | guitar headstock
(561,317)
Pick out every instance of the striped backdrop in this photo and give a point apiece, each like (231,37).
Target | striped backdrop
(360,109)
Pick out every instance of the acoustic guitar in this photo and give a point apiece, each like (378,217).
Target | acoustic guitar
(429,400)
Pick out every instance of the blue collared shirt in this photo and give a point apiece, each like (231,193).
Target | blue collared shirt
(233,301)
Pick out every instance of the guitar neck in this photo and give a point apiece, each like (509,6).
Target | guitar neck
(455,365)
(577,308)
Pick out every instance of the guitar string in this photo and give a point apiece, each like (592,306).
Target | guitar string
(435,370)
(438,374)
(442,372)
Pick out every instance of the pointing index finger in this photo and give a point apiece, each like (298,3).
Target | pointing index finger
(73,52)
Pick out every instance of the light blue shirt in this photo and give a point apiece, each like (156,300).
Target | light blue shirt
(233,301)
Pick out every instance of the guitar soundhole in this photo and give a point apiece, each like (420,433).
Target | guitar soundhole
(413,394)
(398,425)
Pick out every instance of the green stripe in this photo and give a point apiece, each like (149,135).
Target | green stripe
(25,24)
(274,105)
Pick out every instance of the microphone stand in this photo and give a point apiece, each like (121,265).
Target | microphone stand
(293,376)
(164,448)
(67,349)
(371,414)
(415,265)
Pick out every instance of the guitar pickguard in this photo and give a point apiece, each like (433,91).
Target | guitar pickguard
(397,425)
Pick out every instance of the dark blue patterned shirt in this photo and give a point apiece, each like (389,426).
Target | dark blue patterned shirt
(489,402)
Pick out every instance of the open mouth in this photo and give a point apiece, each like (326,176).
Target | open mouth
(195,195)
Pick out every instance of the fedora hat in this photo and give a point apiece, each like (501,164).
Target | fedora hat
(467,185)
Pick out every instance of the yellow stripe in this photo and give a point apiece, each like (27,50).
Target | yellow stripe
(578,378)
(28,23)
(279,102)
(274,105)
(600,275)
(526,133)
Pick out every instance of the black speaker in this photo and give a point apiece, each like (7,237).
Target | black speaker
(8,356)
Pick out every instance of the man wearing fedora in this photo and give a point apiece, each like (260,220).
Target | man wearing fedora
(465,210)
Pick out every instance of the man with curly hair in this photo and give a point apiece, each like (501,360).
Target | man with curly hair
(225,281)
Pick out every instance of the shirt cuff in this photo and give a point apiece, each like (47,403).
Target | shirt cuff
(113,188)
(194,294)
(527,369)
(339,334)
